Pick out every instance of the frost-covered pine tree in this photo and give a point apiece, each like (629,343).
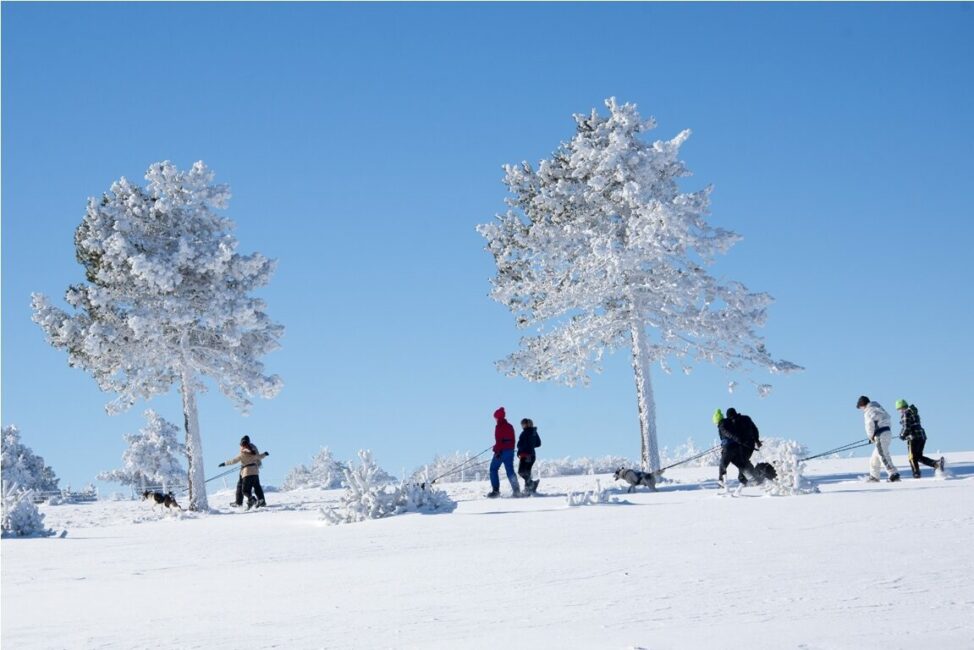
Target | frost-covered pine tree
(601,250)
(20,466)
(153,456)
(167,301)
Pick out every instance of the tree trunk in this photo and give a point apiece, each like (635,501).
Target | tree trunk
(644,398)
(194,446)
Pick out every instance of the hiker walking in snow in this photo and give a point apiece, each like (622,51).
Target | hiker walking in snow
(750,437)
(249,459)
(878,432)
(503,453)
(527,442)
(915,437)
(735,445)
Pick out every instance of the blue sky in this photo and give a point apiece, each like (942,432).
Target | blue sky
(363,143)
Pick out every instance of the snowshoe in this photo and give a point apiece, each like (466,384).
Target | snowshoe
(493,494)
(533,489)
(894,478)
(940,464)
(261,503)
(871,479)
(251,503)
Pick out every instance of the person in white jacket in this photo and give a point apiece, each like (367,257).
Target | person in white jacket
(879,433)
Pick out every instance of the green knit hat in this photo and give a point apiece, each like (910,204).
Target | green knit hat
(901,404)
(718,416)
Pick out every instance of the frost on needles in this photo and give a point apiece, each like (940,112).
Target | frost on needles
(167,300)
(601,250)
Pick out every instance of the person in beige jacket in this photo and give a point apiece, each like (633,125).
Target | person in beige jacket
(249,459)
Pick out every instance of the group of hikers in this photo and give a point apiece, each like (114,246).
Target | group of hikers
(248,481)
(880,434)
(503,449)
(739,438)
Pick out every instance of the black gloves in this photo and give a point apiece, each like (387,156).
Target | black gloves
(758,444)
(222,465)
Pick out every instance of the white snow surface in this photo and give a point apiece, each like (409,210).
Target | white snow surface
(858,565)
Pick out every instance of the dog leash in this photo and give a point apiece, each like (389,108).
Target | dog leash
(220,475)
(687,460)
(846,447)
(458,467)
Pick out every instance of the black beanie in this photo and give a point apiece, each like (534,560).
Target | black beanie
(245,440)
(863,401)
(731,412)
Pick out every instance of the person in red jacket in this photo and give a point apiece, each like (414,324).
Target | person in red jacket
(504,439)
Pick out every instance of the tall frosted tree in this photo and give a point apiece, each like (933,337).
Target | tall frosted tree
(601,250)
(167,301)
(153,456)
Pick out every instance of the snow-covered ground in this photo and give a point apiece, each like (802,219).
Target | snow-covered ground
(856,566)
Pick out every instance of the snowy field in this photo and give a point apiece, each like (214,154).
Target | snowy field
(856,566)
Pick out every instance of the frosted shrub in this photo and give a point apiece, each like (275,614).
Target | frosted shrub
(21,466)
(415,497)
(597,496)
(325,473)
(21,518)
(368,495)
(784,455)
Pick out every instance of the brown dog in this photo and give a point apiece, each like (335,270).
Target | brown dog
(167,499)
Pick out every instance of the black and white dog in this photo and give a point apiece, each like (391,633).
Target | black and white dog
(167,499)
(635,478)
(764,472)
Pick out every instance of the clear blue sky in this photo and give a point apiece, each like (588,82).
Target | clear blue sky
(363,143)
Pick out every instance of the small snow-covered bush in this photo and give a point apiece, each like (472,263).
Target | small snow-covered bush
(368,495)
(785,456)
(21,518)
(21,466)
(325,473)
(597,496)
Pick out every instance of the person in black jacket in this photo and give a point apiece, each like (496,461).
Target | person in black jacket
(527,442)
(916,438)
(738,438)
(749,435)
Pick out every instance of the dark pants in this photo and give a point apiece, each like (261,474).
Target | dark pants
(915,448)
(252,483)
(738,456)
(238,498)
(746,453)
(524,466)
